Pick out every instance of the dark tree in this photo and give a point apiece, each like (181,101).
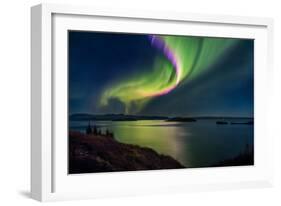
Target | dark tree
(89,129)
(95,130)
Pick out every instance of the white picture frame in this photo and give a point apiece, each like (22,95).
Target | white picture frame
(49,178)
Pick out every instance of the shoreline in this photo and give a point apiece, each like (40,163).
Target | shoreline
(96,152)
(89,153)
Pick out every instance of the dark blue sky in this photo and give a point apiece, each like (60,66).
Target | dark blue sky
(98,59)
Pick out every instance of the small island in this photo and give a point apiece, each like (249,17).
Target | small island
(98,152)
(221,122)
(245,123)
(181,119)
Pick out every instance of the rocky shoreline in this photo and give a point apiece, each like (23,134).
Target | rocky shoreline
(90,153)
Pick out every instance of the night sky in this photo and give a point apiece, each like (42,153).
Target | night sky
(160,75)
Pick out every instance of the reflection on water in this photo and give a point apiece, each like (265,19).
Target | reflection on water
(194,144)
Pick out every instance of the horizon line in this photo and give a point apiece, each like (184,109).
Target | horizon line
(191,116)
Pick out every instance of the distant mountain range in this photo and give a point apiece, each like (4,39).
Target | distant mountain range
(124,117)
(113,117)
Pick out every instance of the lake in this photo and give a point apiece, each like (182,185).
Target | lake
(195,144)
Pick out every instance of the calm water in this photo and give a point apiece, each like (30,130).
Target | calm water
(194,144)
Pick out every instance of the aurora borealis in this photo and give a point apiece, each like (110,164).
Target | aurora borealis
(160,74)
(182,56)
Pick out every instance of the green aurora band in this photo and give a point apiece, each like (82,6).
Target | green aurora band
(183,59)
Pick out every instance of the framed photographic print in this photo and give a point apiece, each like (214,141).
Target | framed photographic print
(133,102)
